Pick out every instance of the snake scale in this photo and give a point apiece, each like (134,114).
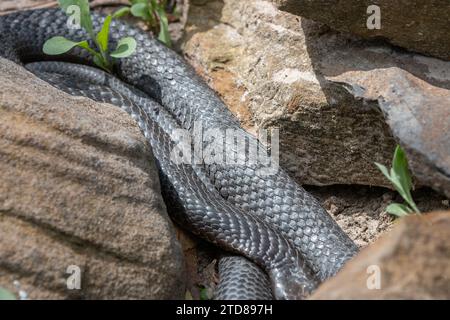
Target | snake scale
(286,242)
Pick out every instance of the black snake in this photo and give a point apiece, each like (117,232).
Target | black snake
(268,219)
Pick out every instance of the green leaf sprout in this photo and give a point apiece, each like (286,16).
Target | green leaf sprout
(102,56)
(6,295)
(400,178)
(154,14)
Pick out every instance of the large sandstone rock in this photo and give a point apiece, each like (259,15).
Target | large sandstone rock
(275,69)
(418,25)
(79,187)
(412,262)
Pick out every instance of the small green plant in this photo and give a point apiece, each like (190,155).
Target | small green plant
(400,178)
(101,55)
(6,295)
(205,294)
(153,12)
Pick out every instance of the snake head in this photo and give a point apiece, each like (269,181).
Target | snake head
(292,282)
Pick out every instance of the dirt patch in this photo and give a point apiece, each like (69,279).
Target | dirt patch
(361,211)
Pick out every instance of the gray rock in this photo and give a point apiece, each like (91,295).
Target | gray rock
(419,116)
(257,58)
(418,25)
(274,69)
(79,187)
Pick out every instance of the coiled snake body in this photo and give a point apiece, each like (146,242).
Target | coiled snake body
(268,219)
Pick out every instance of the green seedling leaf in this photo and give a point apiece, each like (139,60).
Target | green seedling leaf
(164,35)
(395,179)
(59,45)
(85,18)
(204,294)
(153,13)
(100,62)
(384,170)
(125,48)
(176,12)
(6,295)
(85,45)
(103,35)
(153,5)
(121,12)
(140,10)
(400,178)
(398,210)
(400,166)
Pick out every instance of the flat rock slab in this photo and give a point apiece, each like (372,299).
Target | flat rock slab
(275,69)
(410,262)
(418,25)
(418,114)
(79,187)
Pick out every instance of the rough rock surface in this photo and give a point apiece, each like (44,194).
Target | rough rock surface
(418,25)
(412,261)
(272,69)
(418,114)
(79,187)
(12,5)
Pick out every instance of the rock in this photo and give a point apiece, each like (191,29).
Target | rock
(257,59)
(275,69)
(412,262)
(79,187)
(419,25)
(13,5)
(418,114)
